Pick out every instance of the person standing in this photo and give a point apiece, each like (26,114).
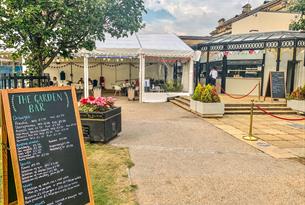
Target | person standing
(213,76)
(55,82)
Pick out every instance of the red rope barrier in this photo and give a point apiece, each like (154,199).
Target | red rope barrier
(238,98)
(281,118)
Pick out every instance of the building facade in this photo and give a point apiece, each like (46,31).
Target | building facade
(271,16)
(245,60)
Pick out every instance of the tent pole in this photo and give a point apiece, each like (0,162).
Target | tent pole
(191,76)
(130,73)
(141,77)
(86,77)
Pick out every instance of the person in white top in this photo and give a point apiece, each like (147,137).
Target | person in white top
(213,76)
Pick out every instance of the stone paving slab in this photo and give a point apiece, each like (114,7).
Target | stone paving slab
(277,137)
(300,152)
(181,159)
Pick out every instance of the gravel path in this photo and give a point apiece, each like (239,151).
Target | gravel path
(182,159)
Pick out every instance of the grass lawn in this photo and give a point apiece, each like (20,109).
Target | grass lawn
(108,169)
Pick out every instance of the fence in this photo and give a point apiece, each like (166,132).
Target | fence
(8,81)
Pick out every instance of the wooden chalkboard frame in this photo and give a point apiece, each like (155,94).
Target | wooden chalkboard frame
(8,134)
(269,86)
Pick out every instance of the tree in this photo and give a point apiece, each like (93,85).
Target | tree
(41,30)
(299,7)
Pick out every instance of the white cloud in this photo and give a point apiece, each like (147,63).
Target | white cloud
(193,17)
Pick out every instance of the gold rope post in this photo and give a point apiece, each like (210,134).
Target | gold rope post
(250,137)
(259,91)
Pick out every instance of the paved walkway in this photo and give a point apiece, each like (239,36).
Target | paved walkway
(181,159)
(279,138)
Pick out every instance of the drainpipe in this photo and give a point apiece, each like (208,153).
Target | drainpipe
(278,61)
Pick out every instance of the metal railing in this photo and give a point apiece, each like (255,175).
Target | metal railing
(8,81)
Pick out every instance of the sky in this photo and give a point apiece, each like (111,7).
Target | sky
(190,17)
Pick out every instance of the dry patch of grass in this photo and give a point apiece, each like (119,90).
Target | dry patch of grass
(108,170)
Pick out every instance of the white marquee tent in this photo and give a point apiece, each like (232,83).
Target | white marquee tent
(141,46)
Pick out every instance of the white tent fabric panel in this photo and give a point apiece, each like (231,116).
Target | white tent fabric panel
(167,45)
(130,42)
(156,45)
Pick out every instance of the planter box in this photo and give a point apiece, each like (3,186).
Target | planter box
(210,109)
(297,105)
(101,126)
(193,105)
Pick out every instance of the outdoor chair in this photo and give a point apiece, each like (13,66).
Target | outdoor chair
(117,89)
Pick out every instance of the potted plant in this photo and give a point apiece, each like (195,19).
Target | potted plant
(101,120)
(209,104)
(296,99)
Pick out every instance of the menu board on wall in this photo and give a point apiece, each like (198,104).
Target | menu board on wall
(46,148)
(276,87)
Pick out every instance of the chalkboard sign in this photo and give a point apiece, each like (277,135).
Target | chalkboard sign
(276,87)
(46,147)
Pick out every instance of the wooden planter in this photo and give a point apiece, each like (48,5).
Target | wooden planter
(101,126)
(297,105)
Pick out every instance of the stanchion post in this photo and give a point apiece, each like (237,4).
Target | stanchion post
(259,91)
(250,137)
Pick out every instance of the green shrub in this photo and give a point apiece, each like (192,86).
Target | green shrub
(173,86)
(197,93)
(298,94)
(209,95)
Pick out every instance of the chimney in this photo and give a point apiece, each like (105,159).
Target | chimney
(221,22)
(247,8)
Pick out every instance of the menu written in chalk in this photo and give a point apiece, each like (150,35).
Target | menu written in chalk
(278,85)
(48,148)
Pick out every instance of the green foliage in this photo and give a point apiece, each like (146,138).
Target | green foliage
(91,108)
(197,93)
(209,95)
(299,7)
(173,86)
(41,30)
(298,94)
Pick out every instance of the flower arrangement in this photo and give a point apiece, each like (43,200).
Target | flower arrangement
(99,104)
(197,93)
(206,94)
(298,94)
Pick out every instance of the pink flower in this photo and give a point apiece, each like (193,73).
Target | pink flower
(91,100)
(110,101)
(100,101)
